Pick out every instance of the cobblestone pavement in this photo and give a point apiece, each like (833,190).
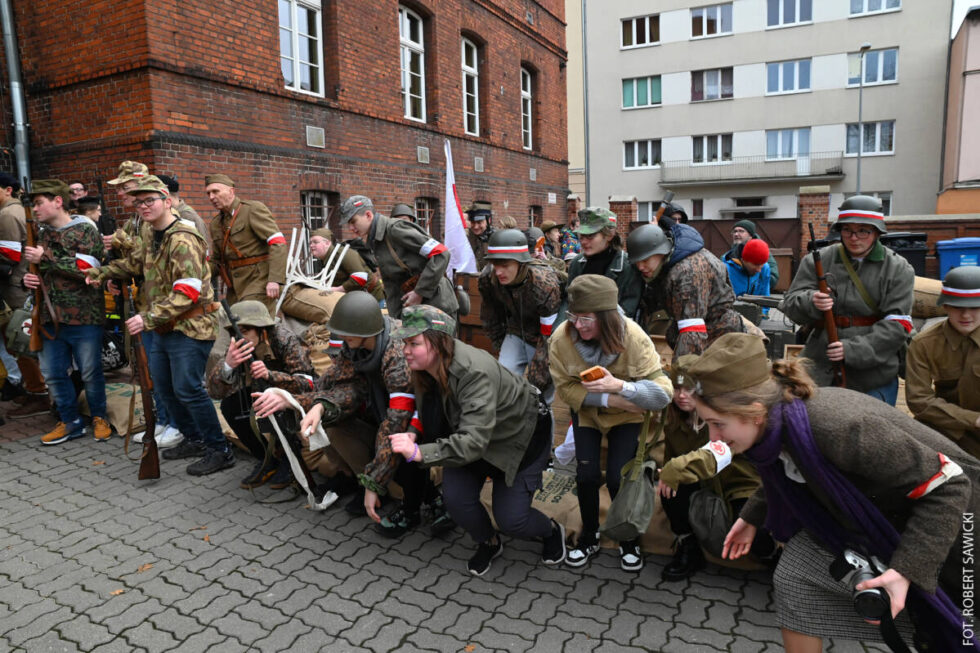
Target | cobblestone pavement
(93,560)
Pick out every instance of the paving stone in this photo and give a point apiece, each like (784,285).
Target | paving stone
(146,636)
(206,641)
(624,628)
(42,623)
(178,625)
(366,628)
(580,643)
(51,642)
(133,616)
(703,637)
(281,637)
(653,634)
(233,625)
(318,640)
(430,641)
(117,645)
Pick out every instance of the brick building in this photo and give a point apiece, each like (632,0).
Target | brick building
(304,102)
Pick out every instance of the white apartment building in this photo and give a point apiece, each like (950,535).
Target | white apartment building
(735,105)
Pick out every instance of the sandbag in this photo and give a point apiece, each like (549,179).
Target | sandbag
(926,292)
(310,304)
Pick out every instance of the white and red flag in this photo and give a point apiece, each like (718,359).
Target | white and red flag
(461,256)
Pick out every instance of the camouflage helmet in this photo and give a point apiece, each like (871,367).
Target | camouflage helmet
(646,241)
(252,313)
(508,245)
(861,209)
(594,219)
(421,318)
(356,315)
(961,287)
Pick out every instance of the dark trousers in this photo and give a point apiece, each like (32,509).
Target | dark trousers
(417,486)
(678,507)
(620,448)
(236,409)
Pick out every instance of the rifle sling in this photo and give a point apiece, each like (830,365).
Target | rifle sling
(852,273)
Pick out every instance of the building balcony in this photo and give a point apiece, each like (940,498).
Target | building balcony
(826,166)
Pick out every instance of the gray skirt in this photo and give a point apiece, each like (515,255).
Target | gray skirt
(810,601)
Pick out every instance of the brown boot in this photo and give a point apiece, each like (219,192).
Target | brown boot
(31,406)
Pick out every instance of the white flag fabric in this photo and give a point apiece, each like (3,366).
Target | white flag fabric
(461,256)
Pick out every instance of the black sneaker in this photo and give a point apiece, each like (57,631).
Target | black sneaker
(587,546)
(630,556)
(553,548)
(399,522)
(261,473)
(441,521)
(186,449)
(688,558)
(214,460)
(11,391)
(479,564)
(283,477)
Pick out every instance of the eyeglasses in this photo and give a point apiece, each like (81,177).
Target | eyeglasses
(578,319)
(146,202)
(863,232)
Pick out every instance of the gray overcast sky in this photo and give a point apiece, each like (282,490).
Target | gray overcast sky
(960,8)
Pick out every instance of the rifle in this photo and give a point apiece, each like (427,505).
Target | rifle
(40,294)
(107,223)
(664,203)
(150,458)
(829,322)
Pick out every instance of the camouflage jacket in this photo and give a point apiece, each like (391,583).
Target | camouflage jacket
(13,233)
(175,278)
(526,308)
(69,251)
(185,211)
(360,394)
(286,358)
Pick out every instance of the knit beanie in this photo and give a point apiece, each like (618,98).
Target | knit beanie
(748,225)
(756,252)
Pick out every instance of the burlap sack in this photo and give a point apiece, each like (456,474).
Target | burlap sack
(317,341)
(310,304)
(925,294)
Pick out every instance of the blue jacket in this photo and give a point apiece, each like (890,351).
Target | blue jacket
(745,284)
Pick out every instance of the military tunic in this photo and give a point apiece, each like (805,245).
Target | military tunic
(479,244)
(286,358)
(68,252)
(13,234)
(354,274)
(942,383)
(421,255)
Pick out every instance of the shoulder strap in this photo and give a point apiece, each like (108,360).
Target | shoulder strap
(395,256)
(634,468)
(857,280)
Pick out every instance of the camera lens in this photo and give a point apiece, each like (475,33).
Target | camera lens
(872,604)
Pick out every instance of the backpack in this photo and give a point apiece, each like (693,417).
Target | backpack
(367,255)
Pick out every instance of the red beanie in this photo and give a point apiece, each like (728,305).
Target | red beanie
(755,252)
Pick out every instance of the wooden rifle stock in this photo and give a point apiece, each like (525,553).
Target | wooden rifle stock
(664,203)
(829,322)
(35,344)
(150,458)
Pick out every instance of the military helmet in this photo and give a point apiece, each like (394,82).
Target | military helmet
(356,315)
(508,244)
(645,241)
(861,209)
(403,209)
(252,313)
(961,287)
(533,234)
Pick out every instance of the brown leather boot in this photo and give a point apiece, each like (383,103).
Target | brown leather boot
(31,406)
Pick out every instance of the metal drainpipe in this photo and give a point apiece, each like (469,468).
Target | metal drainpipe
(16,91)
(585,102)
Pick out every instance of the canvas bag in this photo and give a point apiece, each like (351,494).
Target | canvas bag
(630,513)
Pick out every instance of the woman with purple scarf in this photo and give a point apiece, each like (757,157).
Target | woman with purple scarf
(843,471)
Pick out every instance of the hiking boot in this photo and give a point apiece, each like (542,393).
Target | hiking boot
(586,547)
(63,432)
(11,391)
(553,548)
(186,449)
(261,473)
(214,460)
(399,522)
(688,558)
(170,437)
(479,564)
(630,556)
(441,521)
(283,477)
(101,429)
(31,406)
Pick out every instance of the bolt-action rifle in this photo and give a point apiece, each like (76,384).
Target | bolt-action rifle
(829,321)
(150,458)
(40,293)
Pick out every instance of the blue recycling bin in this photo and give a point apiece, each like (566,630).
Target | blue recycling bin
(957,252)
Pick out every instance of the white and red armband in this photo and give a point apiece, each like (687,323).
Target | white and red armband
(693,325)
(189,287)
(416,422)
(547,323)
(401,401)
(904,320)
(11,249)
(275,239)
(86,262)
(431,247)
(360,278)
(947,470)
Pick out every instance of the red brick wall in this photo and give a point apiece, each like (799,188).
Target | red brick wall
(625,211)
(814,208)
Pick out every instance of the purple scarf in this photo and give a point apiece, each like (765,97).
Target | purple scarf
(792,507)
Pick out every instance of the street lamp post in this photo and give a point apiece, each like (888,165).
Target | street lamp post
(864,48)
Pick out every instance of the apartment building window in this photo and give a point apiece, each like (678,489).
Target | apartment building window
(425,212)
(878,138)
(641,92)
(787,143)
(788,12)
(880,67)
(641,154)
(412,63)
(526,115)
(711,21)
(861,7)
(299,45)
(788,76)
(641,31)
(471,87)
(697,209)
(884,195)
(711,148)
(716,84)
(317,208)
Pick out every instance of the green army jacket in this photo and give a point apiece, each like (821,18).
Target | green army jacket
(354,274)
(251,231)
(13,234)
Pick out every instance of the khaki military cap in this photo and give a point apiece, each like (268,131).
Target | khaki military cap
(219,179)
(591,293)
(151,184)
(54,187)
(735,361)
(129,170)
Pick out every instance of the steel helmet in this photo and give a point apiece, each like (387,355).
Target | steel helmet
(861,209)
(961,287)
(357,315)
(646,241)
(508,244)
(252,313)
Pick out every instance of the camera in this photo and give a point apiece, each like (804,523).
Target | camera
(852,568)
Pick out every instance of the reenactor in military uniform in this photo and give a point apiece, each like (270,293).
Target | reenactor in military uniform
(942,379)
(353,273)
(602,253)
(404,211)
(480,216)
(687,282)
(185,211)
(412,264)
(180,310)
(249,251)
(872,302)
(131,173)
(521,299)
(275,356)
(534,236)
(66,247)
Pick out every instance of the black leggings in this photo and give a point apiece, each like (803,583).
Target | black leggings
(621,447)
(677,507)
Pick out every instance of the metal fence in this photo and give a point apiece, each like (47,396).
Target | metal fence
(816,164)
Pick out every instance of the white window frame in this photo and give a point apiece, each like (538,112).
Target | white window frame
(471,74)
(704,11)
(887,197)
(704,84)
(408,50)
(782,23)
(647,143)
(647,19)
(636,103)
(793,134)
(721,150)
(796,77)
(645,210)
(527,109)
(851,56)
(884,9)
(877,127)
(294,36)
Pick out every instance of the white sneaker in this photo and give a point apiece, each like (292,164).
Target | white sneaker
(157,432)
(170,437)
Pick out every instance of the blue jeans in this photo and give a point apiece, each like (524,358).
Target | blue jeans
(82,342)
(888,393)
(516,355)
(162,416)
(177,365)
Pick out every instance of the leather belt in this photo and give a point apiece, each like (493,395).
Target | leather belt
(193,311)
(251,260)
(848,321)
